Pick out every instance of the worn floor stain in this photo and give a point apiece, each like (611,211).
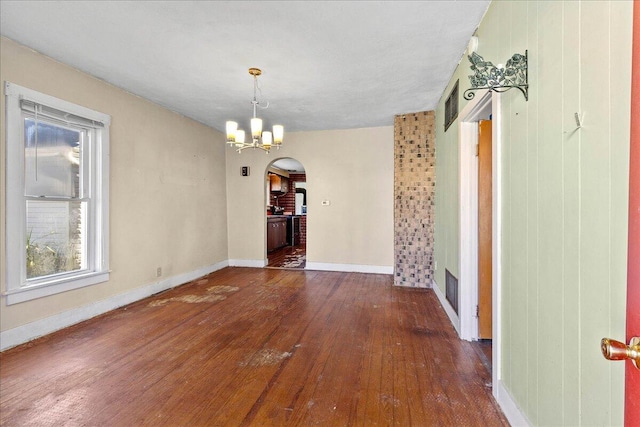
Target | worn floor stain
(266,357)
(213,294)
(294,261)
(222,289)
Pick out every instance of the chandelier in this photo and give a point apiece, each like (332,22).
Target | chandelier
(259,139)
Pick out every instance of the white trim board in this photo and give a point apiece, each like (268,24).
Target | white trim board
(351,268)
(468,214)
(254,263)
(30,331)
(509,407)
(453,316)
(468,261)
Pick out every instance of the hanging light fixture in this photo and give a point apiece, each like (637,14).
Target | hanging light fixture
(259,139)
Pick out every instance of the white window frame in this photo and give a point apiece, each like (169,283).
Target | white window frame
(18,288)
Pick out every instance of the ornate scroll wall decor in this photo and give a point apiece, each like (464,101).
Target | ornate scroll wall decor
(498,78)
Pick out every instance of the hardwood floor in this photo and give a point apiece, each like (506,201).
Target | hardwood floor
(255,347)
(288,257)
(484,350)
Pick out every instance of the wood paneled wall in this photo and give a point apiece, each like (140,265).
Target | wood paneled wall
(565,195)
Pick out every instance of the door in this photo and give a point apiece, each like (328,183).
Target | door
(632,375)
(618,350)
(484,230)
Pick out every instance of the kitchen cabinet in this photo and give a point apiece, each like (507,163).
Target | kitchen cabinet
(276,232)
(279,184)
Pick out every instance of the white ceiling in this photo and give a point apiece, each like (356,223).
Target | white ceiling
(326,65)
(289,165)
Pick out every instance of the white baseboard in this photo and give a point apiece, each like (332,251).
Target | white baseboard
(351,268)
(256,263)
(455,320)
(25,333)
(509,407)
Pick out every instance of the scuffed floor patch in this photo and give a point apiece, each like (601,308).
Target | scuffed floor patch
(295,261)
(222,289)
(213,294)
(266,357)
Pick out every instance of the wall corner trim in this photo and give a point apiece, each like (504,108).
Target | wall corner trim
(30,331)
(509,407)
(350,268)
(254,263)
(453,317)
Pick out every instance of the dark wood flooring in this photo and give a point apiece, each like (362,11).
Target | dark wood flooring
(255,347)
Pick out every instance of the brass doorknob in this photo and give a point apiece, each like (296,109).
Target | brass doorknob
(616,350)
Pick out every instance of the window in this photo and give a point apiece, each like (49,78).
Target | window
(451,107)
(57,195)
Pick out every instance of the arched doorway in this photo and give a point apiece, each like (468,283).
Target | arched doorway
(286,210)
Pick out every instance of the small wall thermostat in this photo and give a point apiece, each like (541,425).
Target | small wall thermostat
(244,171)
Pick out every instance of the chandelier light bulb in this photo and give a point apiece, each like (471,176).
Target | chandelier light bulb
(232,127)
(256,128)
(278,134)
(266,139)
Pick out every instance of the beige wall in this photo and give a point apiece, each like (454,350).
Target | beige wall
(353,169)
(167,187)
(564,203)
(169,183)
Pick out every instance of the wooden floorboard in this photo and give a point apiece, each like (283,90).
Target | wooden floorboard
(288,257)
(255,347)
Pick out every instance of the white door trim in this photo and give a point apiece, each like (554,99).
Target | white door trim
(468,216)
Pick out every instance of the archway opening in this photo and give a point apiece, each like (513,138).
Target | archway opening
(286,214)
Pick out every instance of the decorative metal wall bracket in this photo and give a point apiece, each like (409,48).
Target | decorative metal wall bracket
(499,79)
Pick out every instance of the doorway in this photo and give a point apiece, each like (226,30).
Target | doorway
(484,231)
(286,196)
(472,232)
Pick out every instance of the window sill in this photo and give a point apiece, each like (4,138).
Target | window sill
(27,293)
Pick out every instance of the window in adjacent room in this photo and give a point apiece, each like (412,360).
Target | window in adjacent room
(57,195)
(451,107)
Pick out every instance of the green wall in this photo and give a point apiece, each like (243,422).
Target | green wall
(565,198)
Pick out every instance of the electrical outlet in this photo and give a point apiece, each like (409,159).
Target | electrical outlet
(158,271)
(326,202)
(435,266)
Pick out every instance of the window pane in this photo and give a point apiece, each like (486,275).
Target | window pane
(56,237)
(52,159)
